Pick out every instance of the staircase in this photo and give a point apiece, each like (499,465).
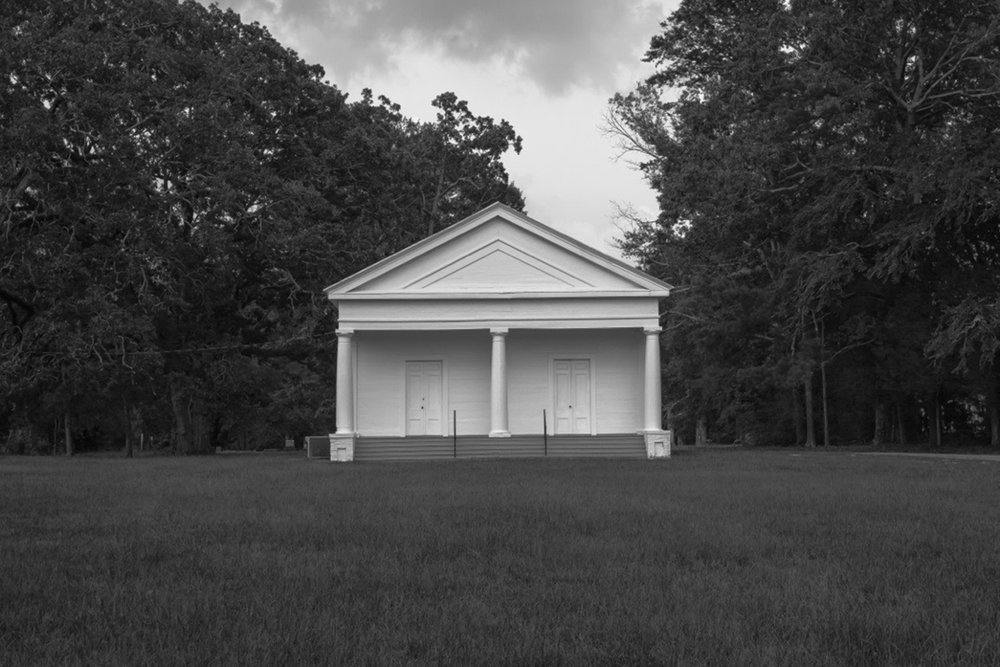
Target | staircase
(625,445)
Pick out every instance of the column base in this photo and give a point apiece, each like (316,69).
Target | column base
(342,447)
(658,443)
(499,434)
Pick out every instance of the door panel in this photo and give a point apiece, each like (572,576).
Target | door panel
(424,402)
(433,385)
(563,403)
(572,396)
(416,424)
(581,396)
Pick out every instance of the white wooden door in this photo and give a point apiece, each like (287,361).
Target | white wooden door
(572,399)
(424,385)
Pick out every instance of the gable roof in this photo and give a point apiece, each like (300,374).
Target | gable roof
(497,253)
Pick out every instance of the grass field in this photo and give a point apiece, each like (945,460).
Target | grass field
(714,557)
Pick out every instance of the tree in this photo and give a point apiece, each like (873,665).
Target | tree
(402,180)
(837,157)
(176,190)
(464,153)
(147,146)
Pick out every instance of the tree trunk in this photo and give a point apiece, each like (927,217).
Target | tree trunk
(826,408)
(182,421)
(810,418)
(215,435)
(701,431)
(935,425)
(199,429)
(878,436)
(672,422)
(128,428)
(797,417)
(901,423)
(931,412)
(993,403)
(68,435)
(190,431)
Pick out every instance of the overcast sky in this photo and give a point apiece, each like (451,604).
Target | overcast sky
(547,66)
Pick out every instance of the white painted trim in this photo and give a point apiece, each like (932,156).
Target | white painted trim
(596,321)
(401,380)
(355,368)
(576,293)
(380,324)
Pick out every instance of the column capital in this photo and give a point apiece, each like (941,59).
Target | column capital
(343,333)
(499,331)
(652,331)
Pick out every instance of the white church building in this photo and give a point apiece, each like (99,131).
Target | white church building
(498,336)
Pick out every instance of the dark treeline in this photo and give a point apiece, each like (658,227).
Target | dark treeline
(828,176)
(176,188)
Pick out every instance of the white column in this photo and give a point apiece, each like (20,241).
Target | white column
(498,385)
(653,418)
(345,382)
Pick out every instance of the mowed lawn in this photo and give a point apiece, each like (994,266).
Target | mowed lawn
(712,557)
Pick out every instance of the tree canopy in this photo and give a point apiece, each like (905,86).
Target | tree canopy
(176,188)
(827,176)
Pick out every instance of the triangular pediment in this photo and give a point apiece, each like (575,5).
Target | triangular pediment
(499,264)
(497,251)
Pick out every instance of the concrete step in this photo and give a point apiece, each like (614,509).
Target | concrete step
(387,449)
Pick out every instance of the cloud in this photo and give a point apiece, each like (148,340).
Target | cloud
(554,43)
